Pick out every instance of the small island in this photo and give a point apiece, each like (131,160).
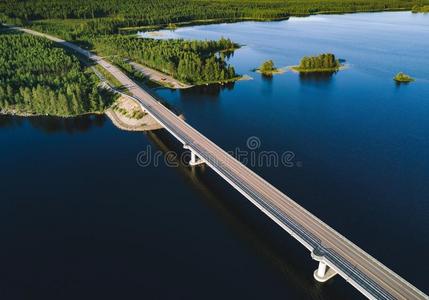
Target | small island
(326,62)
(269,69)
(403,78)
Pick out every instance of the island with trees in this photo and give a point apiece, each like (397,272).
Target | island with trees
(403,78)
(321,63)
(267,68)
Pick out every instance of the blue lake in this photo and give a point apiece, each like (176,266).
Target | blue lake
(80,218)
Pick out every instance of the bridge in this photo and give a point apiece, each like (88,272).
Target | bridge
(335,254)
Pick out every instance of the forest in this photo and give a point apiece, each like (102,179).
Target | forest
(72,19)
(193,62)
(38,77)
(320,63)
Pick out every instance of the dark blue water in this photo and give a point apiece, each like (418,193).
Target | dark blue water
(80,219)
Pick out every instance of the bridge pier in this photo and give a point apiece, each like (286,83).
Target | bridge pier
(195,160)
(323,273)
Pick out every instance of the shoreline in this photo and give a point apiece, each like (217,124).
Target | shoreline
(296,69)
(30,114)
(163,80)
(277,71)
(167,81)
(120,124)
(200,22)
(121,121)
(126,114)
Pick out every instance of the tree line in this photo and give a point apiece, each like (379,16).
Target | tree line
(38,77)
(193,62)
(107,16)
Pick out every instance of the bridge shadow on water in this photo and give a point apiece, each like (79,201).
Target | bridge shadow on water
(267,240)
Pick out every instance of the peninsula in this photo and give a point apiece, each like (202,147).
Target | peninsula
(190,62)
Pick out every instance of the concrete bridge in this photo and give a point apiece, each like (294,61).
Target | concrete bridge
(336,254)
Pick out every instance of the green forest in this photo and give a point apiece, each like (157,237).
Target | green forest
(193,62)
(92,17)
(321,63)
(38,77)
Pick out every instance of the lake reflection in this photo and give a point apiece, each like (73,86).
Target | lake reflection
(316,79)
(211,90)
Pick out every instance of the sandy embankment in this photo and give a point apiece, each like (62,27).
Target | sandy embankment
(126,114)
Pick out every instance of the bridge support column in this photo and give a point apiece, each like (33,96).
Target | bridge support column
(323,272)
(195,160)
